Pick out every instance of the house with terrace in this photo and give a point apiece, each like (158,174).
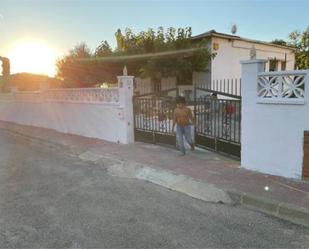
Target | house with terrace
(224,70)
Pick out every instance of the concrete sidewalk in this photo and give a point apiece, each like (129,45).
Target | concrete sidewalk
(281,197)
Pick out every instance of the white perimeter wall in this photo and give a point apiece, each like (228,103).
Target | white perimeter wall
(109,121)
(272,134)
(90,120)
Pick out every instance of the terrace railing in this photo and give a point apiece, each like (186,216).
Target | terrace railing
(69,95)
(227,87)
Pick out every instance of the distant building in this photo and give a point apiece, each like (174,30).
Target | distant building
(31,82)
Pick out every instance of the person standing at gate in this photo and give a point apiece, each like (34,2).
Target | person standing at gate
(183,119)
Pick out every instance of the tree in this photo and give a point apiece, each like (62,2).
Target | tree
(300,40)
(71,71)
(103,50)
(150,53)
(174,52)
(279,42)
(76,73)
(68,68)
(5,72)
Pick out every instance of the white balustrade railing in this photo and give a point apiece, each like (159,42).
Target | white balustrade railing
(72,95)
(34,96)
(83,95)
(282,87)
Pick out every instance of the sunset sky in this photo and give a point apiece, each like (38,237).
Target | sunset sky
(51,27)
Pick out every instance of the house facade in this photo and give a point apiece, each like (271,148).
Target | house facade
(229,50)
(225,67)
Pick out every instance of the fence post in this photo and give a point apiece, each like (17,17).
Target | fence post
(249,72)
(125,85)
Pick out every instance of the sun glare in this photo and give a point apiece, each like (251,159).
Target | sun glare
(33,57)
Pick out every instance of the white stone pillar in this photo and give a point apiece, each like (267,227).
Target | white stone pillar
(249,72)
(125,84)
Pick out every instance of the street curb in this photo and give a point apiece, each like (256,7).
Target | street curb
(277,209)
(170,180)
(280,210)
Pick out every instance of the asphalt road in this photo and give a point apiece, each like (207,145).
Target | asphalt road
(51,199)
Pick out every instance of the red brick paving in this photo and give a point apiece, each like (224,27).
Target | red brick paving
(207,166)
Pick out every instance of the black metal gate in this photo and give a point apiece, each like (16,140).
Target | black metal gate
(153,119)
(218,123)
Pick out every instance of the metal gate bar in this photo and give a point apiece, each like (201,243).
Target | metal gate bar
(218,124)
(153,119)
(218,121)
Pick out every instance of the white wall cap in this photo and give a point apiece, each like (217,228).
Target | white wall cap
(283,73)
(125,77)
(280,101)
(253,61)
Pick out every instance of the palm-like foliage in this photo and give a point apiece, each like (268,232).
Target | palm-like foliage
(150,53)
